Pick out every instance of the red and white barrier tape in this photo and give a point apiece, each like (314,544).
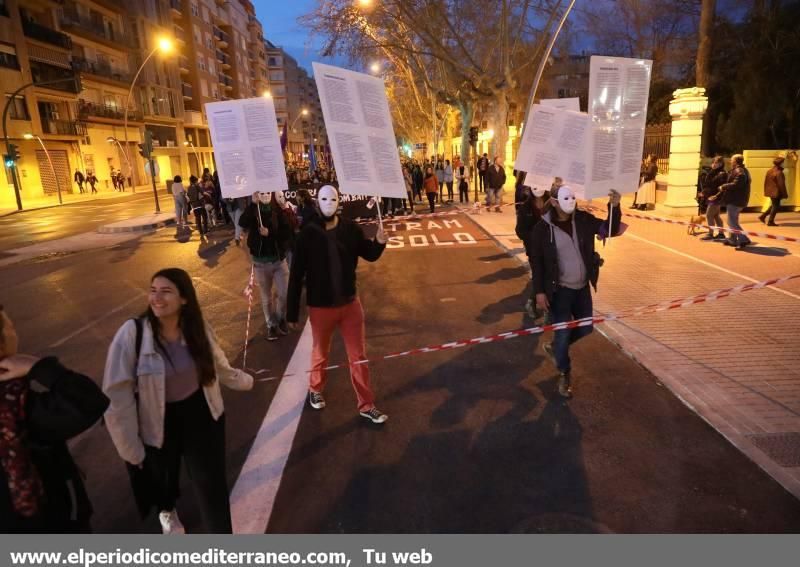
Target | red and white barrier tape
(658,307)
(725,229)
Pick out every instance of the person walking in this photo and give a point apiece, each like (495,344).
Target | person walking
(735,195)
(409,182)
(326,258)
(431,186)
(495,179)
(79,179)
(195,197)
(306,209)
(91,178)
(179,199)
(711,193)
(163,374)
(775,189)
(462,180)
(268,239)
(235,208)
(418,177)
(448,179)
(121,181)
(114,179)
(564,264)
(532,205)
(483,167)
(439,170)
(42,405)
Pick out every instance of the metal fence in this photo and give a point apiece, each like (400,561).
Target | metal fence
(656,142)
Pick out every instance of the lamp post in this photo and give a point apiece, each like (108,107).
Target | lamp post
(200,161)
(50,161)
(165,46)
(113,140)
(303,112)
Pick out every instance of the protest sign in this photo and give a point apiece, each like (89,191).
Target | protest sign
(573,104)
(247,146)
(359,127)
(618,93)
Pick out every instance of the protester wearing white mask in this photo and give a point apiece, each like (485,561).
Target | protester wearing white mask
(564,263)
(269,236)
(326,257)
(531,207)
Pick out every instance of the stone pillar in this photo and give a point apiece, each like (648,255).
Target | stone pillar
(687,109)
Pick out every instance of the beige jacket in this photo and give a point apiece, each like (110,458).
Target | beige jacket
(132,427)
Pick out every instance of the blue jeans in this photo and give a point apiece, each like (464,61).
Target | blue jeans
(733,222)
(567,305)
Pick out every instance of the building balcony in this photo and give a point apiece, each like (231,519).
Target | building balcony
(221,37)
(103,70)
(63,128)
(225,80)
(96,31)
(224,59)
(175,8)
(186,89)
(45,34)
(183,64)
(180,35)
(89,111)
(70,81)
(9,61)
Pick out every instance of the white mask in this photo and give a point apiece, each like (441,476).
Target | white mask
(566,199)
(537,192)
(328,199)
(265,198)
(281,198)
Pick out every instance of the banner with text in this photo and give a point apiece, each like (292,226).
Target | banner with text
(360,133)
(247,146)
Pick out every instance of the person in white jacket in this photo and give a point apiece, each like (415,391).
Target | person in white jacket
(461,173)
(163,375)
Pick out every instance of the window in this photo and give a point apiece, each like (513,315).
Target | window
(201,62)
(18,109)
(209,41)
(196,9)
(203,87)
(211,67)
(279,90)
(276,76)
(206,17)
(214,92)
(8,56)
(197,34)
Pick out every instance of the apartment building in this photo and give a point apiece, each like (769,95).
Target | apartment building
(294,92)
(97,47)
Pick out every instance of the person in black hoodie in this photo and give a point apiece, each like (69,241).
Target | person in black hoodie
(326,257)
(42,405)
(531,205)
(564,264)
(269,236)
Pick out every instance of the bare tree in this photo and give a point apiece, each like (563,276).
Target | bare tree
(705,32)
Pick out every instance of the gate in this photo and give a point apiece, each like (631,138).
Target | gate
(61,165)
(656,141)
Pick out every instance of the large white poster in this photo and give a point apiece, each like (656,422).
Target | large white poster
(554,145)
(247,146)
(360,133)
(618,92)
(573,103)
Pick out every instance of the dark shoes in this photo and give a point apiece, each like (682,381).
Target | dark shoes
(283,328)
(564,385)
(272,333)
(374,415)
(316,401)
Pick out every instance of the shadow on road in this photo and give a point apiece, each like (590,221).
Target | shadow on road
(503,274)
(767,251)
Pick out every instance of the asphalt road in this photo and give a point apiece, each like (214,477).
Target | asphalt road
(42,225)
(478,440)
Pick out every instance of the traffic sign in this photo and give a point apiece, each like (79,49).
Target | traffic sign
(147,168)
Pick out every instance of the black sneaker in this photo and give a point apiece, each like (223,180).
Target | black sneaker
(721,236)
(283,328)
(708,236)
(316,401)
(272,333)
(548,350)
(375,415)
(564,386)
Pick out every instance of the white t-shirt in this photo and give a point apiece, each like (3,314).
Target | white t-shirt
(177,189)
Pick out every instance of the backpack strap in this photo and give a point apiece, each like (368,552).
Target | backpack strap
(139,333)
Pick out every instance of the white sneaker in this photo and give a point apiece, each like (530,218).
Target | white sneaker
(170,523)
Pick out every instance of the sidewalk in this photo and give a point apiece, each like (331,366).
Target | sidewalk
(736,361)
(30,204)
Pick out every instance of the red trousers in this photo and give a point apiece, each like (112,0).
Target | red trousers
(350,320)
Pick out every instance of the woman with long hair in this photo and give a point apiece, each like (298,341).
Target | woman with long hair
(163,375)
(430,184)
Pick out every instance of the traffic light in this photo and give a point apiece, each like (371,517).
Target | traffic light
(473,134)
(7,159)
(146,147)
(13,156)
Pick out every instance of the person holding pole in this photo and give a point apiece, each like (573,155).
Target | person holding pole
(326,257)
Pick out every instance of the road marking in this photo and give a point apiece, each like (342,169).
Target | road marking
(447,299)
(253,495)
(91,324)
(710,265)
(222,290)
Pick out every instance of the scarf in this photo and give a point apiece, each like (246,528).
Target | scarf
(24,483)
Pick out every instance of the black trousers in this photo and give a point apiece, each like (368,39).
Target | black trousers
(191,434)
(463,193)
(449,190)
(773,209)
(432,200)
(201,219)
(482,181)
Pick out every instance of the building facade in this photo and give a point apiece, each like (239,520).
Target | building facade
(93,49)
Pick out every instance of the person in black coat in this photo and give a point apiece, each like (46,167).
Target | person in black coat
(42,405)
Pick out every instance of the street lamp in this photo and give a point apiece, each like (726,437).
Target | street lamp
(266,94)
(303,112)
(164,45)
(200,161)
(375,68)
(113,140)
(58,183)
